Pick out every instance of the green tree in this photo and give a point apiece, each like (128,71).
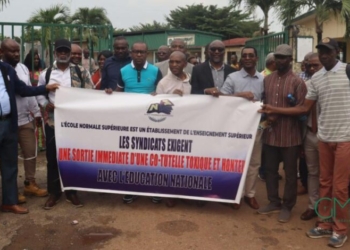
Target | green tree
(56,14)
(251,5)
(150,26)
(88,18)
(226,21)
(323,9)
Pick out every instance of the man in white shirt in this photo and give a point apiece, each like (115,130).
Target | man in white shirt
(64,73)
(177,81)
(26,106)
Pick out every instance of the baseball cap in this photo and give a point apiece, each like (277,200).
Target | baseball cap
(283,50)
(62,43)
(328,42)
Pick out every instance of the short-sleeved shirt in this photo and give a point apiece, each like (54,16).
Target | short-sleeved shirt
(286,131)
(139,81)
(170,82)
(331,89)
(241,81)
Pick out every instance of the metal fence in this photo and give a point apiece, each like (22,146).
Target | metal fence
(41,36)
(266,44)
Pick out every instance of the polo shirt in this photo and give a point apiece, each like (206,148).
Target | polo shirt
(241,81)
(139,81)
(331,90)
(5,107)
(171,82)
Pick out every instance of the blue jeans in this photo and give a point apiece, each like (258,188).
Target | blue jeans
(8,160)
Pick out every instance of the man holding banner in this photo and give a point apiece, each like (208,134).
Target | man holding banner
(64,73)
(247,83)
(139,77)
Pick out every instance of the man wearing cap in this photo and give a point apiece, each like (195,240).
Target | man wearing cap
(282,141)
(64,73)
(330,88)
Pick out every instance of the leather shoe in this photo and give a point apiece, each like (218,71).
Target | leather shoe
(308,214)
(16,209)
(236,206)
(73,198)
(251,201)
(52,201)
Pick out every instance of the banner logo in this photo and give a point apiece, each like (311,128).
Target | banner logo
(158,112)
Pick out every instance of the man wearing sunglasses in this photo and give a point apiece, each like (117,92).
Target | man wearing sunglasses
(247,83)
(211,73)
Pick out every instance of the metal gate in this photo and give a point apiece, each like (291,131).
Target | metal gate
(267,44)
(41,36)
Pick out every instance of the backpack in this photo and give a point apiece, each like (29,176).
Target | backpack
(77,69)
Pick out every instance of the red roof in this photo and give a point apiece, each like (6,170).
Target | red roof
(236,41)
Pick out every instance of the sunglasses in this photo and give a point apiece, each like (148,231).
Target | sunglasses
(214,49)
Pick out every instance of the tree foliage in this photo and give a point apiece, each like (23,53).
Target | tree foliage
(288,10)
(3,3)
(150,26)
(227,21)
(87,18)
(251,5)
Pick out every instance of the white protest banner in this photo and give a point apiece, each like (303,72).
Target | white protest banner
(193,147)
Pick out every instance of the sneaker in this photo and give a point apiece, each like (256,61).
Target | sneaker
(284,215)
(129,198)
(269,209)
(337,240)
(319,232)
(156,200)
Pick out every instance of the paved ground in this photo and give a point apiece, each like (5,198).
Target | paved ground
(106,223)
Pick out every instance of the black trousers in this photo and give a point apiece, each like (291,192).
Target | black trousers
(303,172)
(53,177)
(289,156)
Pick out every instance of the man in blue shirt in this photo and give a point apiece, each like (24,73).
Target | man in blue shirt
(112,66)
(9,86)
(139,77)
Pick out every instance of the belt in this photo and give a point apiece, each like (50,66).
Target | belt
(5,117)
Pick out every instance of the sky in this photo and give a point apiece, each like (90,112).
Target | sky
(122,13)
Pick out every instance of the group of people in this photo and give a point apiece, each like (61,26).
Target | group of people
(323,96)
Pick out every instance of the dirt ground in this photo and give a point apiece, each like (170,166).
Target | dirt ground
(106,223)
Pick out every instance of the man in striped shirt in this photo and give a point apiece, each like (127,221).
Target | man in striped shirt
(282,141)
(330,87)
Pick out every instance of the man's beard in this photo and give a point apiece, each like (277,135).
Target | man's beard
(63,60)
